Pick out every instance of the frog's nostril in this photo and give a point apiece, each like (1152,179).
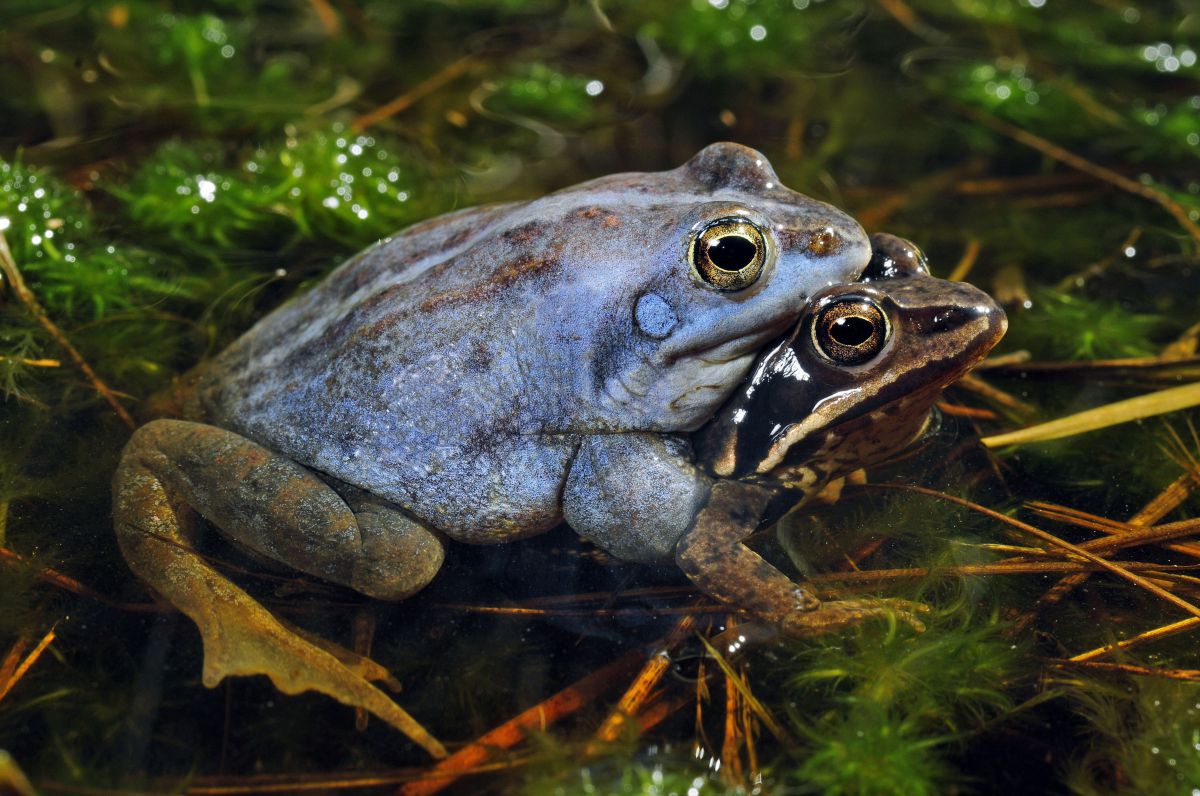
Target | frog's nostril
(946,319)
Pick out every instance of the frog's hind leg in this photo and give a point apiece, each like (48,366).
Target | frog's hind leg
(171,470)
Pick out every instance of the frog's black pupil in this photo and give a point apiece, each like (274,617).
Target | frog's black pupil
(731,252)
(852,330)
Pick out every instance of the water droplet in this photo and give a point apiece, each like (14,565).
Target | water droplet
(758,32)
(208,189)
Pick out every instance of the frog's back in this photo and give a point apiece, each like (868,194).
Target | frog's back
(453,368)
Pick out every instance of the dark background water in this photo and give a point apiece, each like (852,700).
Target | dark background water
(171,171)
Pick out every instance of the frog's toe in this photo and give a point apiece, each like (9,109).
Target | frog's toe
(837,615)
(243,638)
(361,665)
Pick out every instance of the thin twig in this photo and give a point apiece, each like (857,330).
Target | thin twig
(1116,569)
(33,363)
(638,693)
(329,18)
(413,95)
(1164,631)
(731,744)
(580,693)
(1191,675)
(978,386)
(56,578)
(9,270)
(1099,172)
(7,684)
(751,701)
(974,570)
(967,261)
(958,410)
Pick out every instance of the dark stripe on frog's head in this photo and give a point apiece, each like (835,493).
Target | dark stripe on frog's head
(799,406)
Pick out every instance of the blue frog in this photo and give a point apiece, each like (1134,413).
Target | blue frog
(480,377)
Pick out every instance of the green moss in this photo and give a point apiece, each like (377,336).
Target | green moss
(545,93)
(867,749)
(171,170)
(1068,326)
(1143,733)
(331,185)
(749,40)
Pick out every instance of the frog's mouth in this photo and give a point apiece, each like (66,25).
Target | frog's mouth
(729,346)
(860,439)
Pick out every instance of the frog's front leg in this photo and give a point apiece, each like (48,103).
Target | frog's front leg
(171,470)
(712,554)
(634,494)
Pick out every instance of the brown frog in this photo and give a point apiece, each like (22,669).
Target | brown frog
(851,385)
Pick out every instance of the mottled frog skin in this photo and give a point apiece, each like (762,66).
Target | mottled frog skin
(481,377)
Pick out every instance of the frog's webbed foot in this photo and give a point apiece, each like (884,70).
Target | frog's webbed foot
(170,471)
(711,553)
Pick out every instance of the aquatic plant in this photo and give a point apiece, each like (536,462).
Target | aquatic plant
(169,171)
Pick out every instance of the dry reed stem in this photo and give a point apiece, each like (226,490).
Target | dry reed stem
(33,363)
(413,95)
(9,270)
(562,704)
(967,261)
(1163,631)
(639,691)
(8,683)
(958,410)
(1191,675)
(1050,538)
(751,701)
(1160,402)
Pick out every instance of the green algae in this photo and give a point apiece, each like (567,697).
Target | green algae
(171,170)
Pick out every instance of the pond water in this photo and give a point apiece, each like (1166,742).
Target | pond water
(171,172)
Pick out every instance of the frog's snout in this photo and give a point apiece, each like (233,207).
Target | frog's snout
(956,310)
(987,314)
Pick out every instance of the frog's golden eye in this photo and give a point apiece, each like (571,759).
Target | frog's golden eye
(850,331)
(729,253)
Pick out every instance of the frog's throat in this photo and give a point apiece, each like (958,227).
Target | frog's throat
(912,411)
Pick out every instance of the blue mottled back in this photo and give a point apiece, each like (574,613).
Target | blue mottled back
(455,368)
